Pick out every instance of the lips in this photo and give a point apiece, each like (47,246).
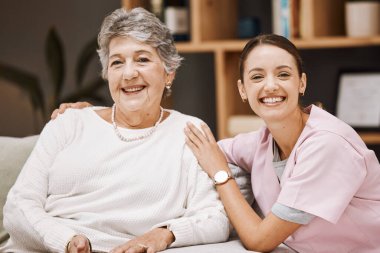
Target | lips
(133,89)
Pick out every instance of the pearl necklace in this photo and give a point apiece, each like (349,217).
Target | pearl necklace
(137,138)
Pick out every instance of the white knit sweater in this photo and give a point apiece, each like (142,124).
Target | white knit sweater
(82,179)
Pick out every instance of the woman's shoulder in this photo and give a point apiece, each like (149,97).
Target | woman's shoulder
(326,128)
(242,148)
(328,145)
(261,135)
(72,119)
(179,117)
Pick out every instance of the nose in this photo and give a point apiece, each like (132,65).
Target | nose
(271,85)
(130,71)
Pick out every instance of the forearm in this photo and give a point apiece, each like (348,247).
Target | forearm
(241,215)
(199,228)
(32,228)
(255,233)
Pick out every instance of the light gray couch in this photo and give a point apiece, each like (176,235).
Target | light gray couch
(15,151)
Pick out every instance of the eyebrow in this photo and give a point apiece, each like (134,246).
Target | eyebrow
(136,52)
(261,69)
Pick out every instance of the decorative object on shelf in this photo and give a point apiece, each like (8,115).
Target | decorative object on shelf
(362,18)
(359,99)
(248,27)
(177,19)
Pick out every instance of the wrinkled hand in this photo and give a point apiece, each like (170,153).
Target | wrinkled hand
(155,240)
(79,244)
(206,150)
(62,108)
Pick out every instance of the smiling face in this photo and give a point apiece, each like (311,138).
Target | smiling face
(272,83)
(136,75)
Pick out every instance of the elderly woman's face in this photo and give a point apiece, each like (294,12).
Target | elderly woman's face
(136,75)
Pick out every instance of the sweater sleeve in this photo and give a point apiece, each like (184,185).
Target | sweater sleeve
(25,218)
(204,220)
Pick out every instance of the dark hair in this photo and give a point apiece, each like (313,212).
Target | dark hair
(274,40)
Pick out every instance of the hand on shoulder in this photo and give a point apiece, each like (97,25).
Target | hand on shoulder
(62,108)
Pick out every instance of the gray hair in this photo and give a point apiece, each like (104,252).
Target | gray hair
(143,26)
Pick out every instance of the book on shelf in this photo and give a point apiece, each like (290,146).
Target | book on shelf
(285,18)
(321,18)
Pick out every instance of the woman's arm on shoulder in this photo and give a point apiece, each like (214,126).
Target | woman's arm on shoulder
(255,233)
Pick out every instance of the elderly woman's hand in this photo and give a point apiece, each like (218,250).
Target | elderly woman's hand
(79,244)
(204,146)
(62,107)
(155,240)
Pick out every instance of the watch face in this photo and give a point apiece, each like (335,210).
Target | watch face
(221,176)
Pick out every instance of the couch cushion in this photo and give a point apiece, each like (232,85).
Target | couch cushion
(234,246)
(13,154)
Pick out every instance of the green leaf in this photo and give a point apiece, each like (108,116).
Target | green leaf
(84,59)
(55,60)
(27,82)
(87,92)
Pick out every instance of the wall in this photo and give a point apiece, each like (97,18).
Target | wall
(23,29)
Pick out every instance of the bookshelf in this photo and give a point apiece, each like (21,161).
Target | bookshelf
(214,29)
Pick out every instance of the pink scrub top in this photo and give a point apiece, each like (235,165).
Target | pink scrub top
(330,173)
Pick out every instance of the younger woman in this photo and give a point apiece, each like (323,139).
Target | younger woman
(313,177)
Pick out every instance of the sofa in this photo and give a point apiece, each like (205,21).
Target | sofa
(13,154)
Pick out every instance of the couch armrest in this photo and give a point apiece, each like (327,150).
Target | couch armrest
(3,236)
(13,154)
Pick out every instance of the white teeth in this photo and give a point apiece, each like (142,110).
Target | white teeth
(273,99)
(133,89)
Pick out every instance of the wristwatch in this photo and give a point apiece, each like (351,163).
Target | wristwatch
(221,177)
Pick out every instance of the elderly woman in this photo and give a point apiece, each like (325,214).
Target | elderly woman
(119,178)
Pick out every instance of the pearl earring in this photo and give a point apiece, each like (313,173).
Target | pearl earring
(168,88)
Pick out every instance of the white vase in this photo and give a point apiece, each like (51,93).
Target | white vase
(362,18)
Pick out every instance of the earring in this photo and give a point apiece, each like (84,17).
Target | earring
(302,94)
(244,100)
(168,88)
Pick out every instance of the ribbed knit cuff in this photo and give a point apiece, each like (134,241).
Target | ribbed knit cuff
(56,238)
(183,232)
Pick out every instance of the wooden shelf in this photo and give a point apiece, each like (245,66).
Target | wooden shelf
(371,138)
(336,41)
(238,45)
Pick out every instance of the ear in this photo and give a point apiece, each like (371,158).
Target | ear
(241,89)
(302,87)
